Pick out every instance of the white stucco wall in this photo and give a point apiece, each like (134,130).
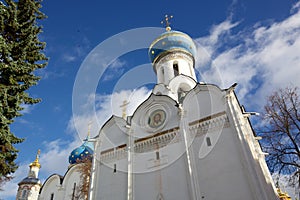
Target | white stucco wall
(205,149)
(61,187)
(229,168)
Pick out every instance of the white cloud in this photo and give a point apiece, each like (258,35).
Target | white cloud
(81,49)
(207,46)
(106,106)
(295,7)
(69,58)
(283,184)
(54,157)
(22,121)
(45,73)
(11,187)
(260,60)
(218,30)
(115,69)
(27,108)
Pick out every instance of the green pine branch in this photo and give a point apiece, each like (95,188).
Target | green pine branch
(21,54)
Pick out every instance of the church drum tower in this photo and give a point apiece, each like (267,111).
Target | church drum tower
(30,186)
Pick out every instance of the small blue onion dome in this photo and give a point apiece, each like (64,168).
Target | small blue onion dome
(171,41)
(85,151)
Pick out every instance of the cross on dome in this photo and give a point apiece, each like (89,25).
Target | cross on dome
(36,161)
(124,108)
(166,21)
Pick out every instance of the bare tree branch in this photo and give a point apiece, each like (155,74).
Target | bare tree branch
(82,190)
(281,134)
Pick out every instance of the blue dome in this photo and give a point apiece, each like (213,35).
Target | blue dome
(169,41)
(81,153)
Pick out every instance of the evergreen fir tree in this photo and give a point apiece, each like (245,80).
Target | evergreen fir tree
(21,53)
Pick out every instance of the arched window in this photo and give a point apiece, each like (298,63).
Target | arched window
(24,194)
(181,95)
(208,142)
(74,191)
(162,76)
(115,168)
(52,196)
(157,155)
(175,68)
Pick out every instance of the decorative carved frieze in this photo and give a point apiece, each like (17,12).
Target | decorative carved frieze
(159,140)
(213,122)
(175,55)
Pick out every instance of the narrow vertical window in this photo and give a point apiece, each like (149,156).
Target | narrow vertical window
(162,74)
(24,193)
(208,142)
(52,196)
(175,68)
(74,190)
(115,168)
(157,155)
(181,95)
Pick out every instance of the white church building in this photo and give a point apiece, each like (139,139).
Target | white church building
(187,140)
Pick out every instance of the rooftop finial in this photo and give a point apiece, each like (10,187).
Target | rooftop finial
(36,161)
(166,21)
(38,153)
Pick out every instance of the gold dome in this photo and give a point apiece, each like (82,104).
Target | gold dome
(36,163)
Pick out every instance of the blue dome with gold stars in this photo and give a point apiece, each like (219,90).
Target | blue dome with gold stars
(171,41)
(85,151)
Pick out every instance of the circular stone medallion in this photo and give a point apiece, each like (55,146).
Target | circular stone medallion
(156,118)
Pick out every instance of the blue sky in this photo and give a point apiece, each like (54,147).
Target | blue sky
(251,42)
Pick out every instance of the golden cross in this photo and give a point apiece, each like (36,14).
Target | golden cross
(124,108)
(38,154)
(166,21)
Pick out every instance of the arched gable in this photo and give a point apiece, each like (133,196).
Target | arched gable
(51,186)
(203,101)
(112,134)
(155,114)
(71,181)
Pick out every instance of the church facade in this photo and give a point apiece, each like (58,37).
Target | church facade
(187,140)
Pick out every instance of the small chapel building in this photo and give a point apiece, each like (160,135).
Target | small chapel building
(30,186)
